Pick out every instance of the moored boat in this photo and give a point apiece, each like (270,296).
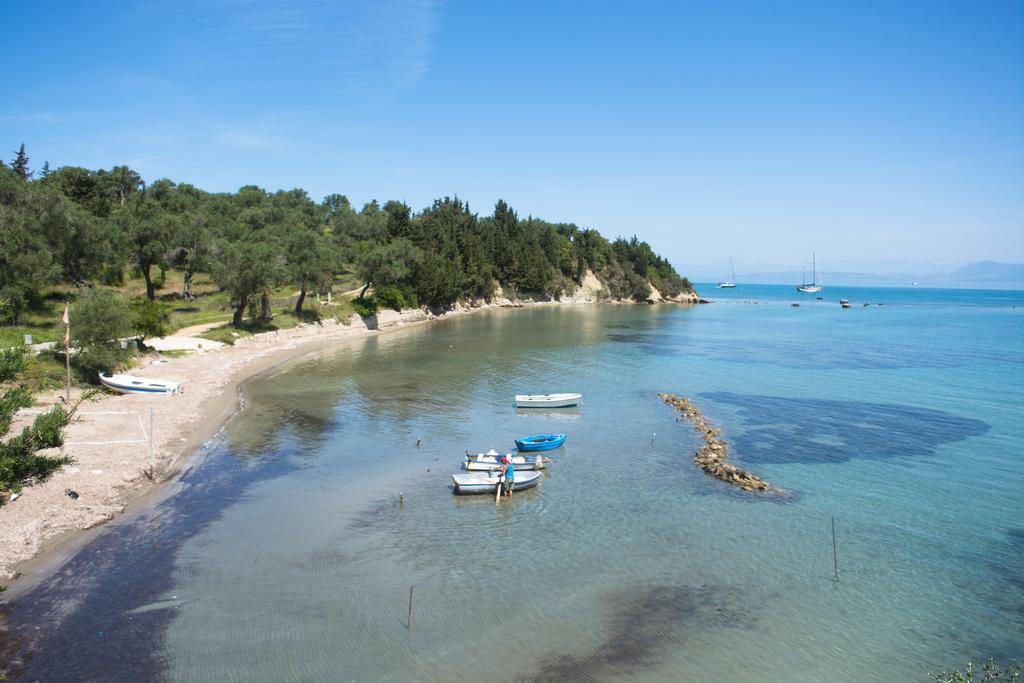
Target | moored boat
(491,460)
(128,384)
(813,286)
(547,400)
(540,442)
(487,482)
(731,282)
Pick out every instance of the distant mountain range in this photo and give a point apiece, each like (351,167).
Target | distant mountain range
(980,275)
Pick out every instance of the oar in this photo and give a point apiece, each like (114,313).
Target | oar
(497,495)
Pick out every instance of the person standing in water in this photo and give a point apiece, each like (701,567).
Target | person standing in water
(509,475)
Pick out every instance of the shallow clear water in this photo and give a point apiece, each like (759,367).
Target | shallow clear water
(287,556)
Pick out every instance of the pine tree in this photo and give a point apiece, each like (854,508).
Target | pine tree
(20,164)
(43,174)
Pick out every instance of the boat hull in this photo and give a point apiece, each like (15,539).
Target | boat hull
(469,484)
(127,384)
(541,442)
(490,463)
(547,400)
(808,289)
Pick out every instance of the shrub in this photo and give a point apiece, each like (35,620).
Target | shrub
(152,319)
(13,303)
(990,672)
(12,361)
(19,457)
(112,275)
(99,321)
(364,307)
(395,297)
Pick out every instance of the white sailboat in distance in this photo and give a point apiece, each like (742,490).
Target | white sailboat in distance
(813,287)
(731,282)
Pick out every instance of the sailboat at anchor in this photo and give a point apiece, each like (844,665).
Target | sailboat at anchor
(731,282)
(813,286)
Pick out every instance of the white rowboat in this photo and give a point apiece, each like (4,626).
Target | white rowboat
(547,400)
(486,462)
(127,384)
(480,482)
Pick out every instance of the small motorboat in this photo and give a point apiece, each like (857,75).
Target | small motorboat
(487,482)
(491,460)
(540,442)
(127,384)
(547,400)
(845,303)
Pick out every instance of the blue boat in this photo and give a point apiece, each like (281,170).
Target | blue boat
(540,442)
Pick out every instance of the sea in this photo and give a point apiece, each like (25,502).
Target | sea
(317,537)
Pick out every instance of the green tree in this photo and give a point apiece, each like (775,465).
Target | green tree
(151,319)
(124,183)
(387,263)
(312,261)
(100,321)
(26,265)
(246,270)
(148,229)
(20,164)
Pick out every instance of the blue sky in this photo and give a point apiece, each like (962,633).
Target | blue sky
(880,135)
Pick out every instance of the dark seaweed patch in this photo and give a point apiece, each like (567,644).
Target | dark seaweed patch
(786,430)
(129,565)
(646,622)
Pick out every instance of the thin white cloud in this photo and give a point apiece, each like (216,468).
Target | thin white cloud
(354,45)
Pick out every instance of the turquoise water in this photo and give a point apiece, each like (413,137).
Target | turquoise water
(286,556)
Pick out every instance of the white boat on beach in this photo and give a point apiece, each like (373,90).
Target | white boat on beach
(491,460)
(487,482)
(127,384)
(547,400)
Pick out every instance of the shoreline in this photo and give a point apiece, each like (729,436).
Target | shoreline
(44,527)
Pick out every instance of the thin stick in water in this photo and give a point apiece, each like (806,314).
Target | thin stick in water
(835,556)
(408,619)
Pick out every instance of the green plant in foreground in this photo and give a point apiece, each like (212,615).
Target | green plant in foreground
(19,457)
(12,361)
(990,671)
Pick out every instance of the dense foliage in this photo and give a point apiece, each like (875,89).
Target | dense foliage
(990,671)
(20,459)
(81,227)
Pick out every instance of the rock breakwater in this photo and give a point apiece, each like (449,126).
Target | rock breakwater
(712,455)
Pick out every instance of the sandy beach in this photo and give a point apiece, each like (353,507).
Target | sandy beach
(110,440)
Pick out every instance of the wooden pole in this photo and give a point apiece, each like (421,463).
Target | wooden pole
(152,461)
(835,557)
(67,356)
(408,618)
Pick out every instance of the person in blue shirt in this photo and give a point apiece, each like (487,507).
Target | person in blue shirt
(508,475)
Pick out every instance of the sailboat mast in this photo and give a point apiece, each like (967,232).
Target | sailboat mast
(814,269)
